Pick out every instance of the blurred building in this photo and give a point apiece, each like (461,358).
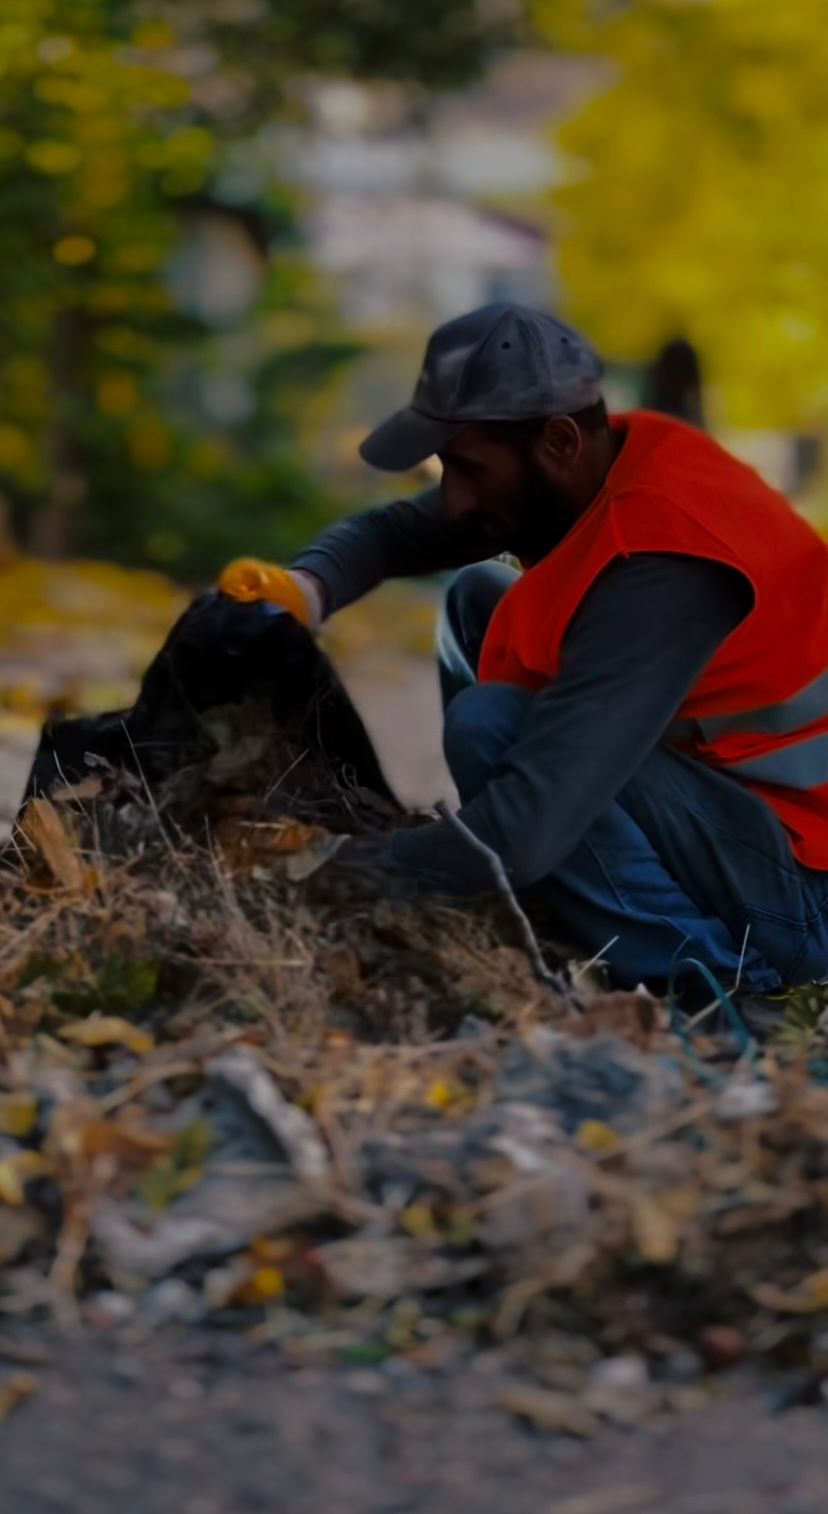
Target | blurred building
(420,208)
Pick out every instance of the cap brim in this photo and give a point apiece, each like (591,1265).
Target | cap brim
(406,439)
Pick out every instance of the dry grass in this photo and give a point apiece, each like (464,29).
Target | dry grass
(479,1154)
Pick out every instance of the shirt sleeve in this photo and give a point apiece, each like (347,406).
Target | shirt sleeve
(404,539)
(635,648)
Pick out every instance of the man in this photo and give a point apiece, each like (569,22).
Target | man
(638,723)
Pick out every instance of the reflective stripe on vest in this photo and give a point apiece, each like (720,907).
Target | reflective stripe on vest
(801,765)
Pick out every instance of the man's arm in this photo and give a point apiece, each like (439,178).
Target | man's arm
(401,540)
(634,650)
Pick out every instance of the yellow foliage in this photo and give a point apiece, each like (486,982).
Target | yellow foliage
(696,200)
(76,635)
(53,157)
(15,448)
(72,252)
(117,393)
(149,442)
(154,36)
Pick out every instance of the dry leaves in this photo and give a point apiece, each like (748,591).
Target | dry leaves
(46,833)
(106,1030)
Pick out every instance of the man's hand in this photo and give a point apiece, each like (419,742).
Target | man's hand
(400,858)
(248,580)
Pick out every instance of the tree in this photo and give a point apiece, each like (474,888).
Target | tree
(697,201)
(118,119)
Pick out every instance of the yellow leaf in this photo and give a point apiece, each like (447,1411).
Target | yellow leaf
(265,1284)
(15,1390)
(11,1184)
(18,1114)
(108,1030)
(654,1229)
(418,1220)
(594,1135)
(43,829)
(443,1094)
(808,1298)
(15,1172)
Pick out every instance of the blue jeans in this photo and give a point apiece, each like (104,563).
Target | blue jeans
(685,862)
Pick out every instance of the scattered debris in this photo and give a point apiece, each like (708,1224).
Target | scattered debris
(240,1083)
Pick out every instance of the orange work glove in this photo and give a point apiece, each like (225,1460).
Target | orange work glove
(248,579)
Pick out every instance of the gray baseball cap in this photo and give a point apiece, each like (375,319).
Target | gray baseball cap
(500,363)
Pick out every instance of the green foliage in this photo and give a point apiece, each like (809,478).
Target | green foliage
(697,202)
(123,985)
(436,43)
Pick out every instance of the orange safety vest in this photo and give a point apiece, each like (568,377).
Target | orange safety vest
(759,710)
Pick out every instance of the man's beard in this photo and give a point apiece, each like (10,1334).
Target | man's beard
(543,520)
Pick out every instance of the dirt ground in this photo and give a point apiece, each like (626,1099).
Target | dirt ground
(207,1425)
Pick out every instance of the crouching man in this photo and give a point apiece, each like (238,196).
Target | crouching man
(638,722)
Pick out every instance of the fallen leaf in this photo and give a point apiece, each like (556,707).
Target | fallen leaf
(44,830)
(594,1135)
(80,1134)
(548,1410)
(266,1284)
(249,843)
(15,1390)
(655,1229)
(107,1030)
(442,1094)
(127,1142)
(18,1114)
(808,1298)
(15,1172)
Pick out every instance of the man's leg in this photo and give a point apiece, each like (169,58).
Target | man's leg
(469,604)
(683,863)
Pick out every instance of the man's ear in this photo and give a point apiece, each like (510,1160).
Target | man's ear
(561,440)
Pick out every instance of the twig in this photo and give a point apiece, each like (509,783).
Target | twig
(500,879)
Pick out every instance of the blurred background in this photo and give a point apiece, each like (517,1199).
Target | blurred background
(227,227)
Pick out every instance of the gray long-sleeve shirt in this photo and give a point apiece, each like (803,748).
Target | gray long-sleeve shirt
(635,647)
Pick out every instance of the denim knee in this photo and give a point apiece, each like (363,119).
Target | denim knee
(481,723)
(471,600)
(477,589)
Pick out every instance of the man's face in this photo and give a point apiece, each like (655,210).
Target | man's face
(523,502)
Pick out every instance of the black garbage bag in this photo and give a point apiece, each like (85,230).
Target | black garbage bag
(219,655)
